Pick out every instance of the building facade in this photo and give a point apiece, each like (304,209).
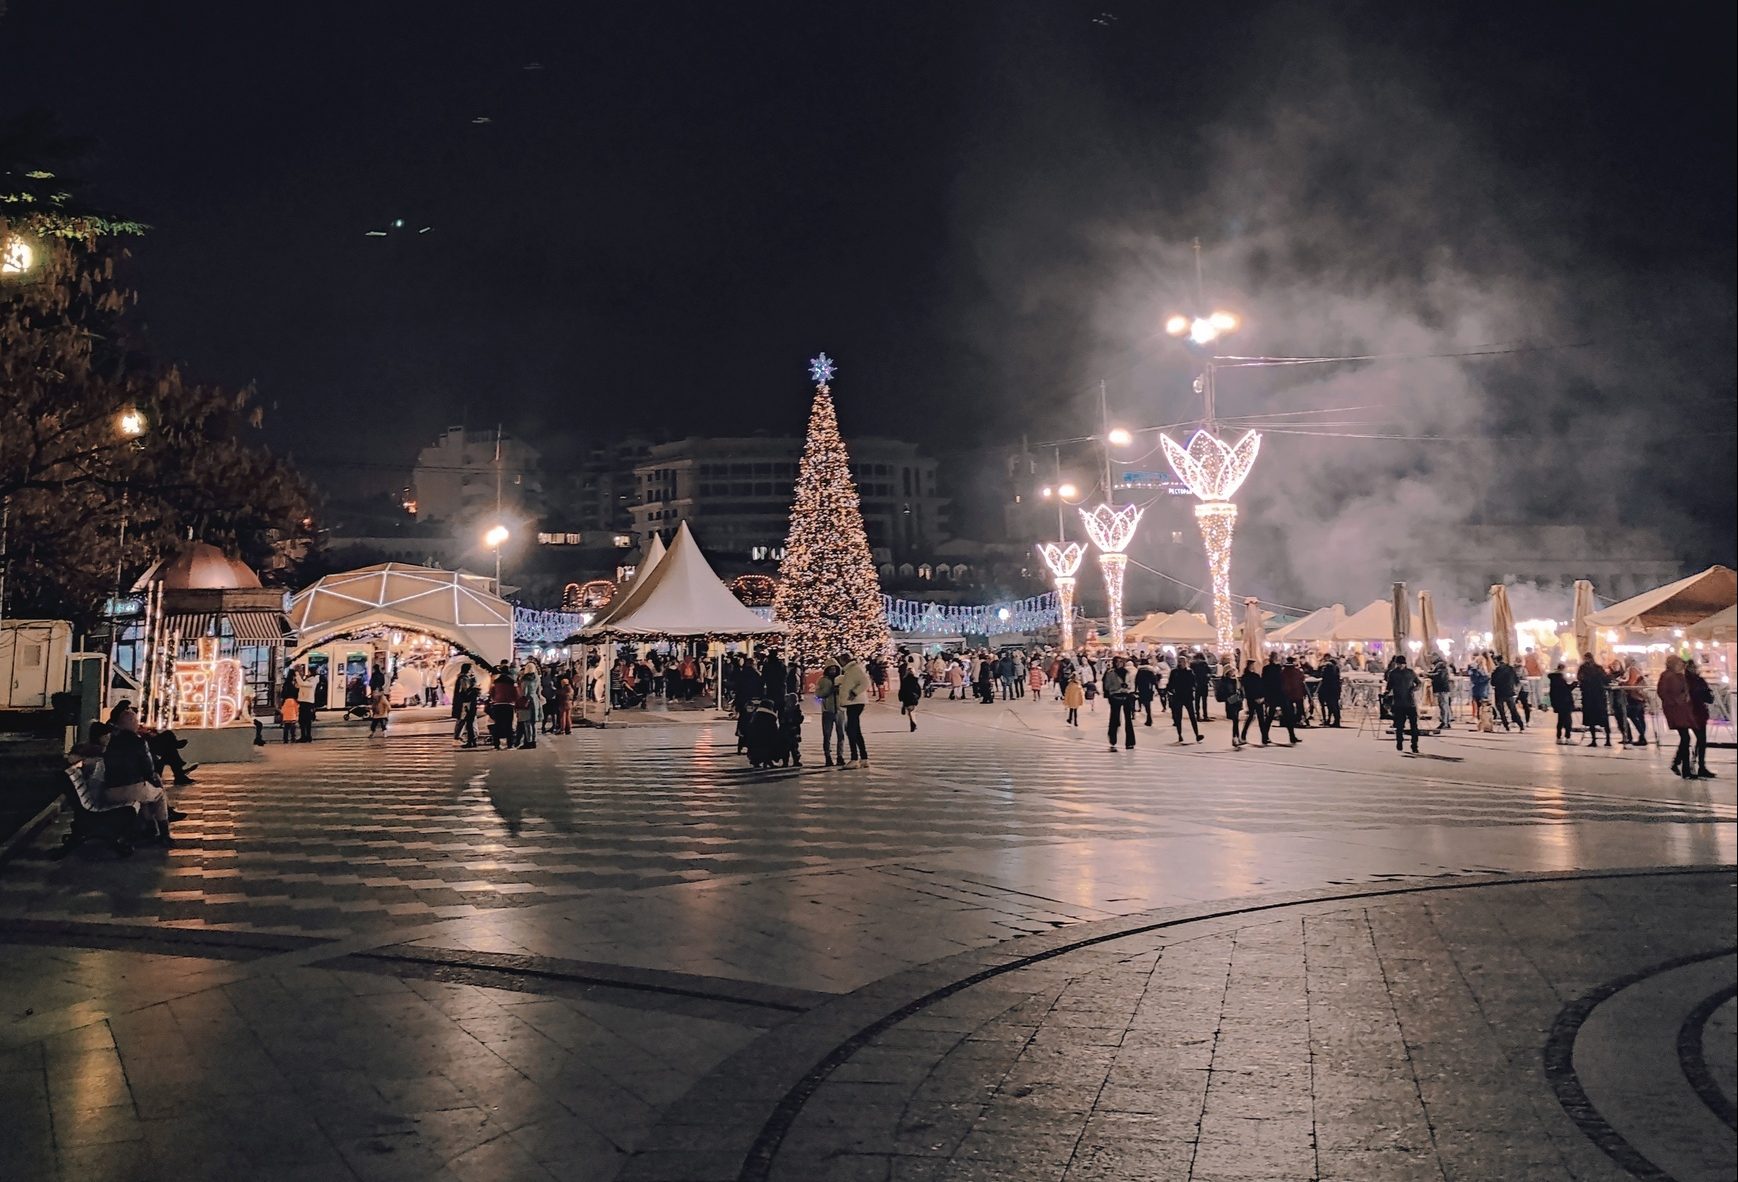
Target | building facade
(735,494)
(458,476)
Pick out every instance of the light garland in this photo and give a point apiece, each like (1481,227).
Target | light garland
(829,596)
(208,690)
(1214,470)
(534,627)
(982,619)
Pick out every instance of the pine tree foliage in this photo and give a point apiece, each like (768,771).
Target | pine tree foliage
(828,593)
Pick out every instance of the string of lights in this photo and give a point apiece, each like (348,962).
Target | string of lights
(983,619)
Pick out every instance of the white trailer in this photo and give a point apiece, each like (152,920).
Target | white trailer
(33,662)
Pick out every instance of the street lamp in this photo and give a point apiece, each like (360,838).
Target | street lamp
(495,539)
(131,425)
(131,422)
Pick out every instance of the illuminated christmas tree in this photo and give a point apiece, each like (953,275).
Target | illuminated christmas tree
(828,594)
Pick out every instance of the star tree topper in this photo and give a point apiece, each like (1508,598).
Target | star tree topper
(822,369)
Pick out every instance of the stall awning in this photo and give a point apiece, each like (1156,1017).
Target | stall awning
(191,624)
(258,627)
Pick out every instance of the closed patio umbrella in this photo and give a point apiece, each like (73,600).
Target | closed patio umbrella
(1427,617)
(1502,622)
(1254,637)
(1586,635)
(1402,619)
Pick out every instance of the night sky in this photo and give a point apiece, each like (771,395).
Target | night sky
(979,209)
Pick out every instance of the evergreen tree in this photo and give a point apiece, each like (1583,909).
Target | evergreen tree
(828,594)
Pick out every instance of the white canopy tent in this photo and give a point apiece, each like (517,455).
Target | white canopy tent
(456,606)
(1721,627)
(1372,625)
(1175,628)
(626,594)
(680,597)
(1675,605)
(1137,631)
(1315,628)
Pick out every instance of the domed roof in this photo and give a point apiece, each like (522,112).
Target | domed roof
(202,567)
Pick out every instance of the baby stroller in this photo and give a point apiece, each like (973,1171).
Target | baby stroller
(93,818)
(764,740)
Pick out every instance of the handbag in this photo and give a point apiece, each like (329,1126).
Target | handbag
(1091,691)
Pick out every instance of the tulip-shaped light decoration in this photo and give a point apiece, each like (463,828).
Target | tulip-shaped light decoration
(1214,470)
(1111,530)
(1064,560)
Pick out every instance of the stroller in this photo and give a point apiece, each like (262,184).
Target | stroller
(95,819)
(762,734)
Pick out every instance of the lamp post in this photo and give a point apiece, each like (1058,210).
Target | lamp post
(495,539)
(130,425)
(1110,529)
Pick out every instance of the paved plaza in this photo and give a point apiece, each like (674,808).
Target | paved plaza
(996,952)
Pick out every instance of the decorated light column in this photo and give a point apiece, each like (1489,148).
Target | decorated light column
(1063,559)
(1111,530)
(1214,470)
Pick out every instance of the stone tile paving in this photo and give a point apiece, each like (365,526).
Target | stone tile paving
(1384,1038)
(433,964)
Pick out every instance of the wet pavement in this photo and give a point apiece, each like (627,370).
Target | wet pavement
(996,952)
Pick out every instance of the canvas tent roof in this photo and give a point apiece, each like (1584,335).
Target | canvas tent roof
(681,596)
(1676,605)
(1721,626)
(1318,626)
(1374,623)
(631,593)
(456,606)
(1175,628)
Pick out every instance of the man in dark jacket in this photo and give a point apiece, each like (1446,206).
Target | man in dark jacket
(1403,689)
(1273,688)
(1183,694)
(1504,682)
(1328,693)
(1296,693)
(1120,694)
(1146,685)
(1201,679)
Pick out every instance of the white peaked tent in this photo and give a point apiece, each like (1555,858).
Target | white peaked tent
(1138,631)
(456,606)
(1676,605)
(680,597)
(627,594)
(1374,624)
(1315,628)
(1176,628)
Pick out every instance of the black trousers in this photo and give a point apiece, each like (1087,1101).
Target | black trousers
(1404,715)
(1565,724)
(1284,713)
(1181,706)
(854,732)
(1201,703)
(1681,761)
(1330,709)
(1122,708)
(1257,716)
(305,719)
(1147,709)
(1507,711)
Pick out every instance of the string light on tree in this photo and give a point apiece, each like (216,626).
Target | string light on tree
(1111,530)
(1214,470)
(1064,561)
(829,597)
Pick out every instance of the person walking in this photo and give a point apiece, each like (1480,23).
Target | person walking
(1480,682)
(1073,695)
(465,706)
(1674,694)
(1278,708)
(1328,693)
(910,693)
(564,705)
(1403,690)
(1562,692)
(854,691)
(1595,689)
(1504,682)
(1296,691)
(1701,697)
(1181,688)
(1230,692)
(1146,686)
(1254,701)
(503,692)
(1119,695)
(1201,682)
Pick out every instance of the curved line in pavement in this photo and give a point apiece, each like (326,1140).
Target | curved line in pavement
(757,1165)
(1695,1063)
(1560,1065)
